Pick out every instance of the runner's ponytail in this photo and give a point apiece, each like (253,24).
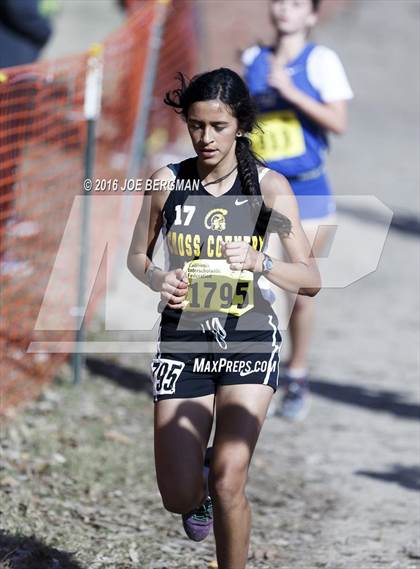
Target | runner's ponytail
(267,220)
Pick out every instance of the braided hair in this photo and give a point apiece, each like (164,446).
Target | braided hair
(228,87)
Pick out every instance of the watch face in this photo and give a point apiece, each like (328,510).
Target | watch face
(267,264)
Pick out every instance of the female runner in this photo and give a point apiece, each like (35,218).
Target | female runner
(218,350)
(301,92)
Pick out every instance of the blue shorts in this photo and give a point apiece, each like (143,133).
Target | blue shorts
(314,197)
(215,357)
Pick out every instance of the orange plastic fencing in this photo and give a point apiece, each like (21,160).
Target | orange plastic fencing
(179,52)
(42,144)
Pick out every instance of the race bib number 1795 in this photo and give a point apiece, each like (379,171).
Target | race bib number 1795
(214,287)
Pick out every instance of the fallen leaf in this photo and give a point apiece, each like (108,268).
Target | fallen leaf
(270,554)
(59,458)
(118,437)
(132,552)
(8,481)
(41,467)
(257,554)
(10,413)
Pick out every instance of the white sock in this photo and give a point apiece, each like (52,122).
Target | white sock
(296,372)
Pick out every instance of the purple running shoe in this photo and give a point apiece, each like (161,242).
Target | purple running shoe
(198,523)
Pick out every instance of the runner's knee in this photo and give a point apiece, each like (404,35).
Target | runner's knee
(182,501)
(227,484)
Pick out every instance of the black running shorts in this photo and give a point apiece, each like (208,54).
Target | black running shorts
(193,363)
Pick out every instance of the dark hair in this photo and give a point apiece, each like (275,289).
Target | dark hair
(227,86)
(315,5)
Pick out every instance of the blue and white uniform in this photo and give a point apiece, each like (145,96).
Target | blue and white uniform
(290,142)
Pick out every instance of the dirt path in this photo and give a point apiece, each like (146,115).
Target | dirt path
(339,491)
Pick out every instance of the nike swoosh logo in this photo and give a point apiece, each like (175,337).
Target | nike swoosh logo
(237,202)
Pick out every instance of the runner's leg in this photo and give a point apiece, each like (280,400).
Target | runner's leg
(182,431)
(240,413)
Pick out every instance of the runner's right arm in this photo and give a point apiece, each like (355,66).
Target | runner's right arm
(171,284)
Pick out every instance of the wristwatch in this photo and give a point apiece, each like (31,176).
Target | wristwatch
(267,264)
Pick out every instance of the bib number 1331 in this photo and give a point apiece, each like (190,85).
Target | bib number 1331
(280,137)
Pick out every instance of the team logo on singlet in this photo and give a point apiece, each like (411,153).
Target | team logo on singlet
(216,219)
